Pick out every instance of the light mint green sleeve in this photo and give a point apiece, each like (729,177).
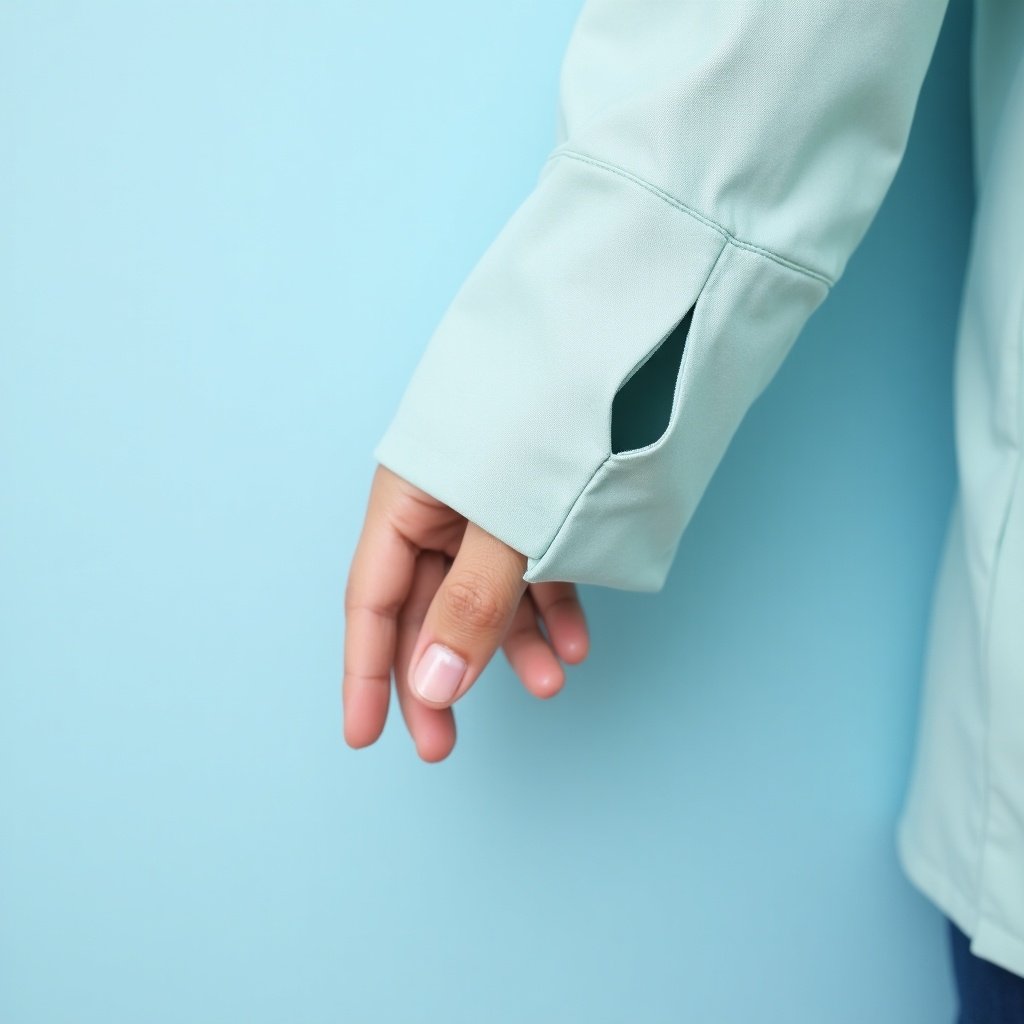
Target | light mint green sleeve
(716,164)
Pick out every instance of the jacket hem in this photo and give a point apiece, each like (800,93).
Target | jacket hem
(989,940)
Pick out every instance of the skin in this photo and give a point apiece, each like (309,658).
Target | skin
(421,572)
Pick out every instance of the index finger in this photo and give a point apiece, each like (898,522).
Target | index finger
(379,581)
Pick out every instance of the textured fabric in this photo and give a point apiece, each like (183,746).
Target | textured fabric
(727,157)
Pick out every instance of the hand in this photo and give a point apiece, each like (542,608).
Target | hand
(423,575)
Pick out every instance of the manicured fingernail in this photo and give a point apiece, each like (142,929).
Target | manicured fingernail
(438,674)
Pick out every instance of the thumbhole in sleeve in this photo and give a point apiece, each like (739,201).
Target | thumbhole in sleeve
(642,406)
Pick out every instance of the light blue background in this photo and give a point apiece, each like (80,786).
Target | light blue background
(226,232)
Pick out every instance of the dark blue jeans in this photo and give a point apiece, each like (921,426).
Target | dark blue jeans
(989,994)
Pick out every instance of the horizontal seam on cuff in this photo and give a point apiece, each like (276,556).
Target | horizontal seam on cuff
(683,208)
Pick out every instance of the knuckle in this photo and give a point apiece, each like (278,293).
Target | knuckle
(472,602)
(357,601)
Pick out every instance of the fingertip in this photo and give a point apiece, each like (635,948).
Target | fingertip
(357,738)
(432,756)
(434,745)
(549,685)
(433,735)
(574,650)
(571,640)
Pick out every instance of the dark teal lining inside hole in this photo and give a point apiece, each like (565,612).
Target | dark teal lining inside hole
(642,406)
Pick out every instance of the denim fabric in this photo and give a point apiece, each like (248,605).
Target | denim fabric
(988,993)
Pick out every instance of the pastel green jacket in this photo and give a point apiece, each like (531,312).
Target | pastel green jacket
(716,164)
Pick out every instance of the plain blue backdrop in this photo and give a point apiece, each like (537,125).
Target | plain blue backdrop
(226,232)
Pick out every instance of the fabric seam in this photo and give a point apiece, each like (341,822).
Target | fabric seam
(558,529)
(730,238)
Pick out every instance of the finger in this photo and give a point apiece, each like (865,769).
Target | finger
(432,729)
(559,607)
(530,654)
(378,584)
(467,618)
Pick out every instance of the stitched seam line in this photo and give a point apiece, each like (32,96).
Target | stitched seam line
(695,214)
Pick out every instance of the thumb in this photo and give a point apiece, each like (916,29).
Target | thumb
(468,617)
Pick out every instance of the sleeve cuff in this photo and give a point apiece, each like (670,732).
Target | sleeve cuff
(507,416)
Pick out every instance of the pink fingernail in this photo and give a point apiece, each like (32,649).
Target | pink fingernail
(438,674)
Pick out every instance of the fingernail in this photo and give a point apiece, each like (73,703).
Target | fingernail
(438,674)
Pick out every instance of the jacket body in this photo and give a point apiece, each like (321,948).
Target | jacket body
(716,163)
(961,831)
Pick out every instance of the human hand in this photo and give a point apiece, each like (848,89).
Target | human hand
(423,575)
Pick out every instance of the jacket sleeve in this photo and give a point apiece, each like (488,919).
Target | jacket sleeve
(715,165)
